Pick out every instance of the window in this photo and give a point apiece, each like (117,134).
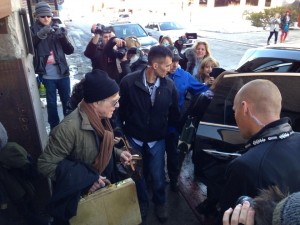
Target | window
(124,31)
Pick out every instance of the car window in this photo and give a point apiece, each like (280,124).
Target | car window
(220,109)
(274,66)
(170,26)
(129,30)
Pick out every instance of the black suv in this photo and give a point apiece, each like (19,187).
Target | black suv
(217,130)
(276,58)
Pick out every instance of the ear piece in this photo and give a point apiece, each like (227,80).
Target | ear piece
(258,122)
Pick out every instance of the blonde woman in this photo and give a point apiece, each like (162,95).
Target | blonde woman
(205,69)
(195,56)
(274,27)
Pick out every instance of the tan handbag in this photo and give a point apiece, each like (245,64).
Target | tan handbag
(116,204)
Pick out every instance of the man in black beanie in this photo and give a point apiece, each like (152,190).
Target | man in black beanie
(51,44)
(85,136)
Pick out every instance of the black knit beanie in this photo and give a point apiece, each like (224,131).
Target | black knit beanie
(43,9)
(98,86)
(287,211)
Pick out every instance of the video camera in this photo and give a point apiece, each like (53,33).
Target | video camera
(100,29)
(121,51)
(182,40)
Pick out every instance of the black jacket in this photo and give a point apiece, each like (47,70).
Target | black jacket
(112,53)
(264,164)
(140,64)
(101,60)
(73,179)
(60,47)
(142,120)
(284,21)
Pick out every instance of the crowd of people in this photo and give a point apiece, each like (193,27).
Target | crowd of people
(141,96)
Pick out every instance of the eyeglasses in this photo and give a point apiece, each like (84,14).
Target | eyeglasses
(114,103)
(45,16)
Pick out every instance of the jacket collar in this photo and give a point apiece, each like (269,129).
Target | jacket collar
(276,127)
(85,123)
(139,82)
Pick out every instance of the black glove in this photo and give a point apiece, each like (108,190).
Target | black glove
(60,32)
(43,33)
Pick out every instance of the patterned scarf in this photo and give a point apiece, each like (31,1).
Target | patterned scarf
(105,132)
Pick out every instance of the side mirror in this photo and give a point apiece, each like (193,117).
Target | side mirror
(149,33)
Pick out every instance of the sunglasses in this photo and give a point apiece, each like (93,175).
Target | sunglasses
(45,16)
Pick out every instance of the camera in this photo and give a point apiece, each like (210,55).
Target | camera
(100,29)
(182,40)
(121,51)
(55,27)
(244,198)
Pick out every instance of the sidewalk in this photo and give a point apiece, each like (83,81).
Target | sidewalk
(229,24)
(256,38)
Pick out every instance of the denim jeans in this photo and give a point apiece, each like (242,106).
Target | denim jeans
(154,164)
(64,89)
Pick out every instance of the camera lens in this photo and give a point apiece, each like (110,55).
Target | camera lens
(244,198)
(121,52)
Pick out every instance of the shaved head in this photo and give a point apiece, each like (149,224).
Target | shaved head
(256,104)
(264,95)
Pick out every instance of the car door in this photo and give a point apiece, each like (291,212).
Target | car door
(217,130)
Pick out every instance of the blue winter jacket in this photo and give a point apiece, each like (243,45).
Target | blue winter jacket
(184,82)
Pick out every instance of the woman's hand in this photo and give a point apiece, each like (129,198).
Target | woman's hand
(100,183)
(119,42)
(210,81)
(241,215)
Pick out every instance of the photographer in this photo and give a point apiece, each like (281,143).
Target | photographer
(129,57)
(51,44)
(95,51)
(270,207)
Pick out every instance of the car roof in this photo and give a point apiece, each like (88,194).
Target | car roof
(165,21)
(256,56)
(121,23)
(284,47)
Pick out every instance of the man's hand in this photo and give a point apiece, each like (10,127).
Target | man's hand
(240,215)
(43,33)
(61,32)
(125,157)
(93,28)
(100,183)
(96,36)
(117,140)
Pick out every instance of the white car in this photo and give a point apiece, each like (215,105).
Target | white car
(123,30)
(169,28)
